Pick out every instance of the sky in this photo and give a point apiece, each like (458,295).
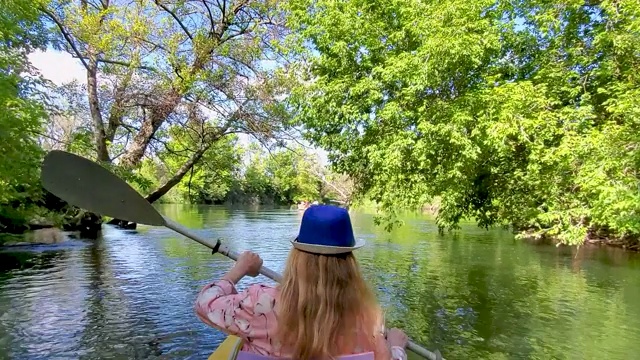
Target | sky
(60,68)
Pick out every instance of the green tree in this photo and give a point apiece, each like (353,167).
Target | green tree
(155,65)
(290,171)
(281,176)
(255,183)
(511,113)
(21,32)
(211,178)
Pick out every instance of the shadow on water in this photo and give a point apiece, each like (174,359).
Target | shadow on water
(21,258)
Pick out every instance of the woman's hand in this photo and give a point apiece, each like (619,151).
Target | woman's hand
(397,337)
(250,263)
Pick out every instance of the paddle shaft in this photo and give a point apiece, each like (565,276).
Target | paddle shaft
(224,250)
(217,246)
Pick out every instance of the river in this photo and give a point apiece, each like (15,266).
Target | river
(471,294)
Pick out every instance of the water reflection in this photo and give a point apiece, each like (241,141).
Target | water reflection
(473,294)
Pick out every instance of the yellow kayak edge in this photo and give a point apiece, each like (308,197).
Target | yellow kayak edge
(228,350)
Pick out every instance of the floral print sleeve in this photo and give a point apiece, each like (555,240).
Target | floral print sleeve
(248,314)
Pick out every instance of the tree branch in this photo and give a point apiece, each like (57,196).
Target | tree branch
(117,62)
(175,179)
(212,30)
(175,17)
(66,35)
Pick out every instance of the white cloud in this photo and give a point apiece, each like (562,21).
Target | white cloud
(58,66)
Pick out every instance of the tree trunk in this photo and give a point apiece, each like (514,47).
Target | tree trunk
(175,179)
(94,107)
(159,113)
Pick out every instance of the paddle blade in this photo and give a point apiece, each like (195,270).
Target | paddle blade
(87,185)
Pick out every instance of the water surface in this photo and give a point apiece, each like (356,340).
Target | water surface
(472,294)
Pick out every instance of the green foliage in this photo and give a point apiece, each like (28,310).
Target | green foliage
(291,176)
(160,64)
(21,116)
(208,181)
(166,82)
(283,176)
(255,183)
(512,113)
(287,173)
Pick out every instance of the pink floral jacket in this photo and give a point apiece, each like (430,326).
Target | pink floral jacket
(249,315)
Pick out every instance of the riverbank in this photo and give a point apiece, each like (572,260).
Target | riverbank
(47,213)
(632,245)
(88,224)
(593,239)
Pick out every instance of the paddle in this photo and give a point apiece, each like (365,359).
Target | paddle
(87,185)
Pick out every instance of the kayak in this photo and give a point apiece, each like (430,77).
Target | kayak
(231,347)
(228,350)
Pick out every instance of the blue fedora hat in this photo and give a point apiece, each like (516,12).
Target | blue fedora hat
(326,230)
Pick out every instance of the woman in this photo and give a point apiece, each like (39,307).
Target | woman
(322,309)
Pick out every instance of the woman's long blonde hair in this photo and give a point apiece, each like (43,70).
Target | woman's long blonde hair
(324,306)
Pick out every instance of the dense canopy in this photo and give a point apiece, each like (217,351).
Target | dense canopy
(518,113)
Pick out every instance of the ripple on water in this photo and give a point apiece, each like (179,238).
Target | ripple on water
(475,294)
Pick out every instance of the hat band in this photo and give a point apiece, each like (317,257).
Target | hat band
(326,249)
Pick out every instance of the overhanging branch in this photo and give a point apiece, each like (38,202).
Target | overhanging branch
(175,17)
(66,35)
(123,63)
